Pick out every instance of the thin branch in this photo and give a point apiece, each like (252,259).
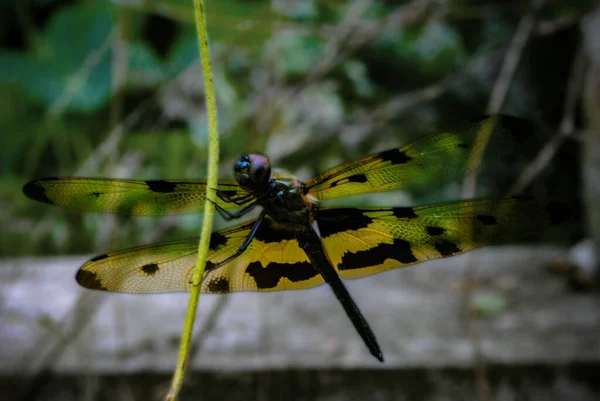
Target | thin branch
(566,129)
(111,142)
(356,35)
(377,118)
(548,27)
(332,49)
(511,60)
(398,104)
(77,80)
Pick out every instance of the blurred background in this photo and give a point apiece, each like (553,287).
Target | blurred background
(114,89)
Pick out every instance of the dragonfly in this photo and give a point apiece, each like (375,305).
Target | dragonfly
(295,243)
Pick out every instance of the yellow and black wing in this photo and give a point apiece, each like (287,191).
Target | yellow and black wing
(361,242)
(435,158)
(142,198)
(273,262)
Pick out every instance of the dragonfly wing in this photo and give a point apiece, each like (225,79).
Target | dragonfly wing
(435,158)
(361,242)
(143,198)
(272,262)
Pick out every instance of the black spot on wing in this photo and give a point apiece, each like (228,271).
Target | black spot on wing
(161,186)
(219,285)
(99,257)
(150,268)
(96,194)
(269,276)
(89,280)
(36,191)
(360,178)
(395,156)
(399,250)
(435,231)
(209,266)
(487,220)
(333,221)
(217,240)
(404,212)
(446,248)
(268,234)
(558,212)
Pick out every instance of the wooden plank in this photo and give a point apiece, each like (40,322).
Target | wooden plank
(416,314)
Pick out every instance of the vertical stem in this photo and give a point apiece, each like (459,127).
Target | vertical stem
(213,161)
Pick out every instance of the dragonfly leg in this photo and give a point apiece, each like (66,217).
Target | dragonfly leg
(231,216)
(245,245)
(240,200)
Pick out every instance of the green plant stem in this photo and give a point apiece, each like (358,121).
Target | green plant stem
(213,162)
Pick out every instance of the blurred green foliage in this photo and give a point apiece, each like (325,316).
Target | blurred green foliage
(312,83)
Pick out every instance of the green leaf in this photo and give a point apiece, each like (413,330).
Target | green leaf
(183,53)
(70,59)
(145,68)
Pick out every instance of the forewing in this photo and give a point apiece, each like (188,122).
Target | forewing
(435,158)
(361,242)
(143,198)
(272,262)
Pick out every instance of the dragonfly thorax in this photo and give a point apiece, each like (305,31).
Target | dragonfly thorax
(285,201)
(282,195)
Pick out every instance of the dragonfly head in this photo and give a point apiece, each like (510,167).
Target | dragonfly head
(252,171)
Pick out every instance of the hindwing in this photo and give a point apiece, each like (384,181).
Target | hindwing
(361,242)
(273,262)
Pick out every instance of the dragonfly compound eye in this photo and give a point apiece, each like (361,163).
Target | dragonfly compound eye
(260,169)
(242,165)
(242,170)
